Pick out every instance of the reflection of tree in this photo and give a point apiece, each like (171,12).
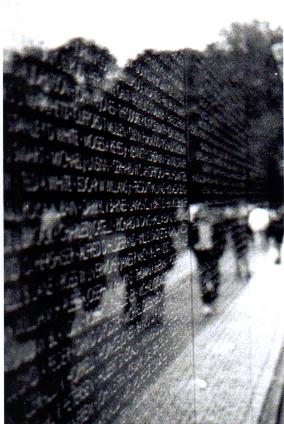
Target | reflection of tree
(91,66)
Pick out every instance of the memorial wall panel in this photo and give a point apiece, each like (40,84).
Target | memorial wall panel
(99,161)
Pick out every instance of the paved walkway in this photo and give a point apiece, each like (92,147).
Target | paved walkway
(223,374)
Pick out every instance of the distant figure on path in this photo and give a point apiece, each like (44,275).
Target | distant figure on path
(274,231)
(241,236)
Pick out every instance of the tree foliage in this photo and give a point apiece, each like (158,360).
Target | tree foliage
(244,60)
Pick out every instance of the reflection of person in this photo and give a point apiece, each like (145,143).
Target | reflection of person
(54,342)
(133,298)
(205,238)
(149,287)
(92,288)
(51,225)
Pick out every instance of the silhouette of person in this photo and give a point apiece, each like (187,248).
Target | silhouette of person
(236,220)
(138,290)
(207,241)
(274,231)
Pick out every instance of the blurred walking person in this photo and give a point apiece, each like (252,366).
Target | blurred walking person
(203,237)
(241,236)
(274,231)
(258,222)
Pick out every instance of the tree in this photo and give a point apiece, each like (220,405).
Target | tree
(244,60)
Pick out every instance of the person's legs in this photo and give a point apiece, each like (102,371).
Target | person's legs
(278,248)
(241,240)
(278,236)
(214,275)
(208,276)
(243,271)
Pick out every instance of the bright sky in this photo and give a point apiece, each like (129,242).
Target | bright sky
(127,27)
